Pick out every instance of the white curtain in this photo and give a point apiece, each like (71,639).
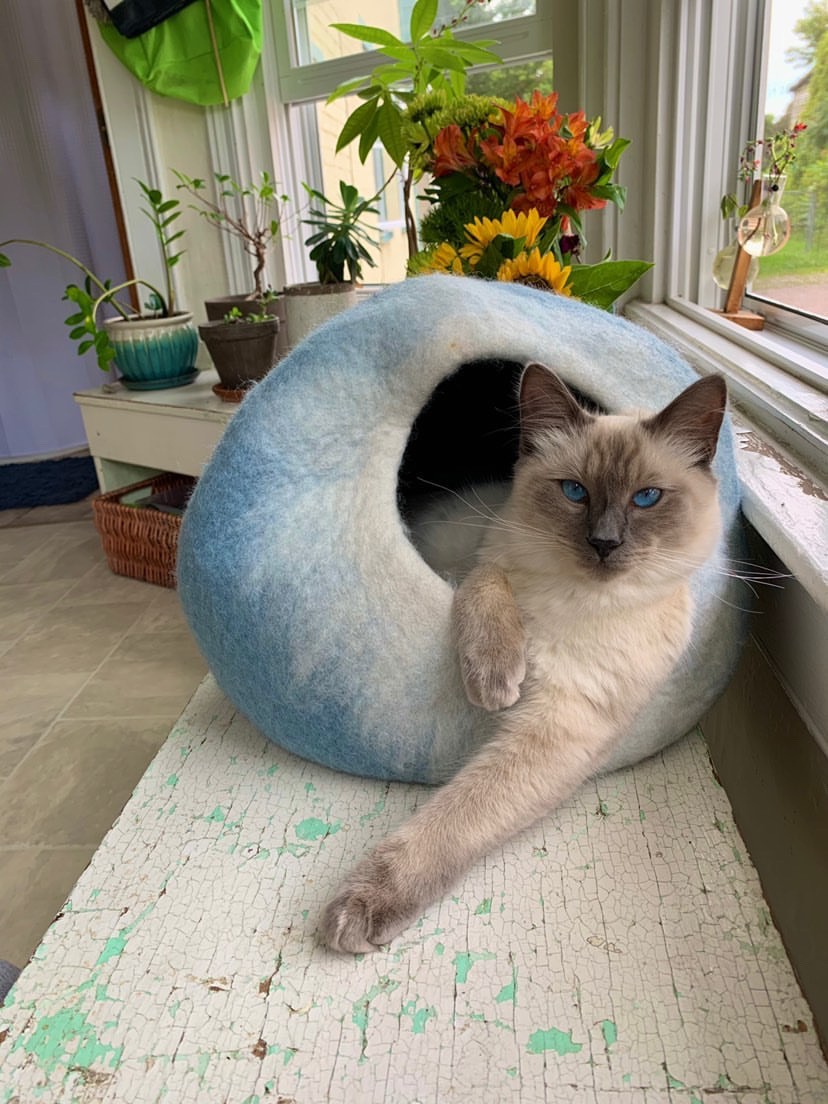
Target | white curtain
(53,187)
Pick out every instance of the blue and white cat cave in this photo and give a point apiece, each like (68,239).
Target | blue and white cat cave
(317,616)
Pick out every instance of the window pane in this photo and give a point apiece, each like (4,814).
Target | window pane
(321,123)
(317,42)
(797,91)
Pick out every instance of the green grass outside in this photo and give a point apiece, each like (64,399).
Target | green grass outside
(796,259)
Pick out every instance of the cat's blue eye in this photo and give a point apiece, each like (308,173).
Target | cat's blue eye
(575,492)
(648,496)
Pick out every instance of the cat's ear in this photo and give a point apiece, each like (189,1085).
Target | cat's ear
(695,417)
(546,403)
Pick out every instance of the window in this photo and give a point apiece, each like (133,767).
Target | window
(312,60)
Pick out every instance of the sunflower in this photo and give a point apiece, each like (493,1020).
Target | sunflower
(482,232)
(536,270)
(444,258)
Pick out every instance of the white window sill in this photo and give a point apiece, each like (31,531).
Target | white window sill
(780,428)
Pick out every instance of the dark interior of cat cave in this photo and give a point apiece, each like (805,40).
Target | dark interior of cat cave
(467,433)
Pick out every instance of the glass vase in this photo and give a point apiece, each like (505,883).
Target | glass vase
(765,229)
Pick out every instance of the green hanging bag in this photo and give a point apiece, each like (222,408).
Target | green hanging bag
(206,53)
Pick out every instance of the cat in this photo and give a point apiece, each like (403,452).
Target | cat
(578,608)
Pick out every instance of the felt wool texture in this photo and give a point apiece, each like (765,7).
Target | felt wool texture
(318,618)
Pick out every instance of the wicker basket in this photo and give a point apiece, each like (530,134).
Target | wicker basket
(139,542)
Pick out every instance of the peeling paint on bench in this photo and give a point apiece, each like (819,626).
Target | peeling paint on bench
(619,952)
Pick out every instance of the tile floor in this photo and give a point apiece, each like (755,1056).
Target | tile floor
(94,670)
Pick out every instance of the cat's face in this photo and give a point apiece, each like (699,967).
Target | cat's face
(618,496)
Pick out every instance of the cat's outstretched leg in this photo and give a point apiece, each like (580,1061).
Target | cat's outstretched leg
(491,640)
(530,766)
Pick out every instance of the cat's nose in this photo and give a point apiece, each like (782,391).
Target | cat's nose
(603,546)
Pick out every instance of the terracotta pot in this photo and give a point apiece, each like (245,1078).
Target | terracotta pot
(242,352)
(309,305)
(249,304)
(154,353)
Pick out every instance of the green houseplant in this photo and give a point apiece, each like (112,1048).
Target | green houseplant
(152,350)
(242,347)
(338,248)
(253,215)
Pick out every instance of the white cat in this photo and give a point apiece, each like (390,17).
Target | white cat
(578,609)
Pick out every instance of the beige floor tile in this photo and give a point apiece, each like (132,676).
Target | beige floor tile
(23,604)
(39,879)
(74,783)
(28,705)
(17,545)
(163,614)
(51,515)
(148,674)
(63,555)
(12,517)
(71,639)
(100,584)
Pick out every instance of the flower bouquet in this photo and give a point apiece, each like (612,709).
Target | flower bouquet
(508,185)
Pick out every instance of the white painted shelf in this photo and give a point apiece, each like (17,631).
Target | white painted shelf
(619,952)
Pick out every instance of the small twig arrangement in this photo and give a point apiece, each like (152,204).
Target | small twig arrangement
(252,213)
(763,157)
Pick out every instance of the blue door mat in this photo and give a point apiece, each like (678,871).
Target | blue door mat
(46,482)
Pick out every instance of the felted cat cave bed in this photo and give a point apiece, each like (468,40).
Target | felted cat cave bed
(317,616)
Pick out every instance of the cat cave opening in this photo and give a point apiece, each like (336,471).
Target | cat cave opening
(466,438)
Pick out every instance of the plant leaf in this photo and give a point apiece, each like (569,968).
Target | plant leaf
(356,123)
(601,284)
(389,132)
(375,35)
(423,15)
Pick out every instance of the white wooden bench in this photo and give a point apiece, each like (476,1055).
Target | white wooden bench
(621,951)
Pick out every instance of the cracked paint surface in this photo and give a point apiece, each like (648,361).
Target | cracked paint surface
(620,952)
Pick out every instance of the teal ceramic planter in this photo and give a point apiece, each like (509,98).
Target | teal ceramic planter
(154,353)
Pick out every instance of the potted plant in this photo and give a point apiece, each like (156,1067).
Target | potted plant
(251,213)
(242,347)
(152,350)
(338,248)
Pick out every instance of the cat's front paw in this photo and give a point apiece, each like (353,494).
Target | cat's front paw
(369,908)
(493,675)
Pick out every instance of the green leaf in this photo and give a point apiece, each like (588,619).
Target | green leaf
(167,205)
(612,154)
(442,58)
(4,261)
(601,284)
(369,137)
(85,346)
(347,87)
(356,123)
(423,15)
(389,132)
(375,35)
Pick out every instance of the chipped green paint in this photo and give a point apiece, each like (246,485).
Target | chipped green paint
(552,1039)
(627,1078)
(419,1016)
(642,816)
(309,787)
(439,948)
(272,770)
(509,991)
(603,809)
(379,807)
(695,1099)
(673,1082)
(49,1044)
(724,1082)
(174,1007)
(287,1053)
(464,960)
(313,829)
(718,825)
(113,947)
(201,1065)
(218,815)
(484,908)
(359,1009)
(511,1071)
(94,894)
(610,1032)
(172,780)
